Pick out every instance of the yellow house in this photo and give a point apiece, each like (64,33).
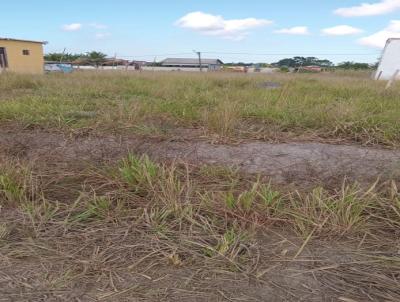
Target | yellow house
(22,56)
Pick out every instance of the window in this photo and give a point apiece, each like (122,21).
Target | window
(26,52)
(3,58)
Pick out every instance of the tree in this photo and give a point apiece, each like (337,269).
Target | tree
(303,61)
(324,63)
(61,57)
(286,63)
(354,65)
(95,58)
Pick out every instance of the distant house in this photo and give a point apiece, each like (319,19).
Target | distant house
(62,67)
(311,68)
(22,56)
(237,68)
(209,64)
(115,62)
(137,65)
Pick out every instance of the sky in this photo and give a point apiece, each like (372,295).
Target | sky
(232,30)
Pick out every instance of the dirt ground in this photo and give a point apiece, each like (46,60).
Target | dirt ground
(299,163)
(111,262)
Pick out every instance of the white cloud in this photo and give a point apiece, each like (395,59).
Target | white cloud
(215,25)
(98,25)
(379,38)
(297,30)
(100,36)
(341,30)
(72,27)
(369,9)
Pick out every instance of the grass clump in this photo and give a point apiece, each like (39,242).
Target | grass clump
(10,189)
(16,184)
(96,208)
(139,172)
(323,212)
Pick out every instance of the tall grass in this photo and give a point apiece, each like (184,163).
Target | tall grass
(330,105)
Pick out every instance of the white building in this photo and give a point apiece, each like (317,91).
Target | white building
(389,64)
(182,63)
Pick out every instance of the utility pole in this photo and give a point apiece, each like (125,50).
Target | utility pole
(154,63)
(62,56)
(199,54)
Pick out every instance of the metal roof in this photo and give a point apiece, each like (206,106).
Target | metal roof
(190,61)
(22,40)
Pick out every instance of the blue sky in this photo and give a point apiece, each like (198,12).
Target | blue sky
(253,30)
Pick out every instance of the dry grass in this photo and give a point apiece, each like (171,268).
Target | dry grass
(146,221)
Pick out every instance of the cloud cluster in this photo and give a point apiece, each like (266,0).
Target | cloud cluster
(101,36)
(379,38)
(369,9)
(215,25)
(341,30)
(237,29)
(72,27)
(94,25)
(98,25)
(297,30)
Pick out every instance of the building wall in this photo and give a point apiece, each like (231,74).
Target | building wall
(390,61)
(181,69)
(17,62)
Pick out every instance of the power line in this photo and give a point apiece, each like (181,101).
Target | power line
(156,55)
(250,54)
(291,54)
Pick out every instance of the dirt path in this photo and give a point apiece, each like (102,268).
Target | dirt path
(298,163)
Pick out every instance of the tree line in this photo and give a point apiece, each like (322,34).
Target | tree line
(297,62)
(93,58)
(97,58)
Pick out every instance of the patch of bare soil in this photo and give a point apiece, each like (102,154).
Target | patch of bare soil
(303,164)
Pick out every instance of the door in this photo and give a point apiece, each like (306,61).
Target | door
(3,58)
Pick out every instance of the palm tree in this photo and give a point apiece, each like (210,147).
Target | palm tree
(95,57)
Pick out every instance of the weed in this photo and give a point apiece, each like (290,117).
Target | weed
(16,184)
(98,207)
(4,231)
(157,218)
(40,211)
(340,213)
(230,245)
(138,172)
(271,200)
(10,189)
(222,119)
(230,200)
(246,199)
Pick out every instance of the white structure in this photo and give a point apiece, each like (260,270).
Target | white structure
(389,64)
(189,63)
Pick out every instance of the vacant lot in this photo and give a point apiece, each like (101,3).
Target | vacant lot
(199,187)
